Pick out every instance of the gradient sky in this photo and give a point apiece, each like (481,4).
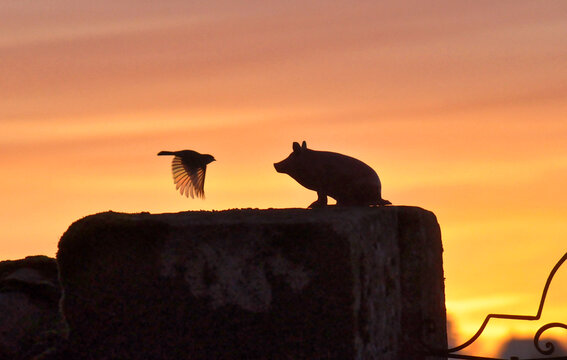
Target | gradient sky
(460,106)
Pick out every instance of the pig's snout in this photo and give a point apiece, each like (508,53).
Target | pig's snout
(280,166)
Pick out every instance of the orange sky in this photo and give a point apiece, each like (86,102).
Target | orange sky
(460,106)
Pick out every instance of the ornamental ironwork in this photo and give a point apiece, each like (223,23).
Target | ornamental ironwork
(547,348)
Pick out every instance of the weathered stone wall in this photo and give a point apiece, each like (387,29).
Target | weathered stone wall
(29,298)
(359,283)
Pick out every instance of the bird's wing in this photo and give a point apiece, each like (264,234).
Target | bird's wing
(189,181)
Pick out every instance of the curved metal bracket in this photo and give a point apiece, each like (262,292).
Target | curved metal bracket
(550,348)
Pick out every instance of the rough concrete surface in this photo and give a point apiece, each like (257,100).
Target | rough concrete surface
(334,283)
(29,298)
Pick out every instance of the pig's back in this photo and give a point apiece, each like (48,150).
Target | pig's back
(335,172)
(345,166)
(348,180)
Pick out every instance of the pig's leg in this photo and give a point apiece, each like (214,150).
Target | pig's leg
(321,201)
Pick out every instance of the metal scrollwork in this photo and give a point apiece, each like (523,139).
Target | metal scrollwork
(550,348)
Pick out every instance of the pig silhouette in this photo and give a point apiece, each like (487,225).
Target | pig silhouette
(347,180)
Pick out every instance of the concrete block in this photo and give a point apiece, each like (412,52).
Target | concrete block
(334,283)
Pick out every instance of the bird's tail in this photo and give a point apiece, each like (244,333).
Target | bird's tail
(166,153)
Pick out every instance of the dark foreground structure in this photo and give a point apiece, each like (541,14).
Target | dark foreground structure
(29,307)
(334,283)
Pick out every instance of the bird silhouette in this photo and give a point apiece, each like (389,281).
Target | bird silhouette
(189,168)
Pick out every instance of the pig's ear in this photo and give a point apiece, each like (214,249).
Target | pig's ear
(303,145)
(296,147)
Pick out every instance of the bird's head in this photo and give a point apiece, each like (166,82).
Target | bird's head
(208,158)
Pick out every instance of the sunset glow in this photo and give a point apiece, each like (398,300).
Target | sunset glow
(460,107)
